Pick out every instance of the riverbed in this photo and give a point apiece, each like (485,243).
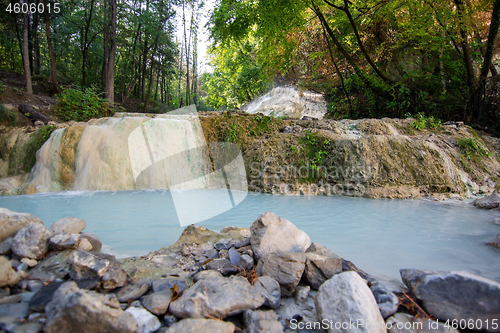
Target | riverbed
(380,236)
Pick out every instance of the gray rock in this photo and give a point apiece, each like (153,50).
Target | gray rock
(17,310)
(169,320)
(75,310)
(404,323)
(222,266)
(132,291)
(93,239)
(31,242)
(84,245)
(6,245)
(455,295)
(201,325)
(11,222)
(218,297)
(67,225)
(86,265)
(284,267)
(211,254)
(8,276)
(158,302)
(28,328)
(34,285)
(43,297)
(270,289)
(322,250)
(349,266)
(489,202)
(209,274)
(270,233)
(54,266)
(234,256)
(346,298)
(246,262)
(146,321)
(388,303)
(12,299)
(259,321)
(8,323)
(320,268)
(61,242)
(114,277)
(301,294)
(168,283)
(29,262)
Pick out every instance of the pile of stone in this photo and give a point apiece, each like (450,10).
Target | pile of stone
(270,278)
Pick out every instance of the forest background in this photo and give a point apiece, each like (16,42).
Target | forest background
(370,58)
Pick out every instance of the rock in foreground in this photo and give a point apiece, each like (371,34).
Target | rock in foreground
(455,295)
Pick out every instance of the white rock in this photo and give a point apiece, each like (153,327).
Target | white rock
(11,222)
(30,262)
(31,242)
(146,321)
(270,233)
(346,299)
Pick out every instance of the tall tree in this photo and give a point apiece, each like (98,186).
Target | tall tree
(53,65)
(109,86)
(27,72)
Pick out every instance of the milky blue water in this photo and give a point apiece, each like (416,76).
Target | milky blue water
(380,236)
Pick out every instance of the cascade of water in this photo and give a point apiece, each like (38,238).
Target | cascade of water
(45,173)
(287,101)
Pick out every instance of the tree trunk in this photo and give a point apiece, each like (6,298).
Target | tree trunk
(146,101)
(53,68)
(492,35)
(110,73)
(366,81)
(84,44)
(27,72)
(36,43)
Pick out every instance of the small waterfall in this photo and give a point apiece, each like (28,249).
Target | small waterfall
(45,173)
(287,101)
(166,151)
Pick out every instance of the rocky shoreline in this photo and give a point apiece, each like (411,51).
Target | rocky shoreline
(269,278)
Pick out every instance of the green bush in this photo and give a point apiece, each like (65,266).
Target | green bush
(471,148)
(41,135)
(81,104)
(421,122)
(7,115)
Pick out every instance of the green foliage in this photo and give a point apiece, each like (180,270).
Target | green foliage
(41,135)
(471,148)
(233,133)
(2,87)
(236,78)
(7,116)
(81,104)
(422,122)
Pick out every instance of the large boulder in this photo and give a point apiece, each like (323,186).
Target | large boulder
(8,277)
(158,302)
(11,222)
(61,242)
(75,310)
(270,233)
(196,325)
(347,303)
(218,297)
(320,268)
(455,295)
(31,242)
(67,225)
(284,267)
(489,202)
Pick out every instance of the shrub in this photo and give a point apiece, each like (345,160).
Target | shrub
(421,122)
(471,148)
(41,135)
(81,104)
(7,115)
